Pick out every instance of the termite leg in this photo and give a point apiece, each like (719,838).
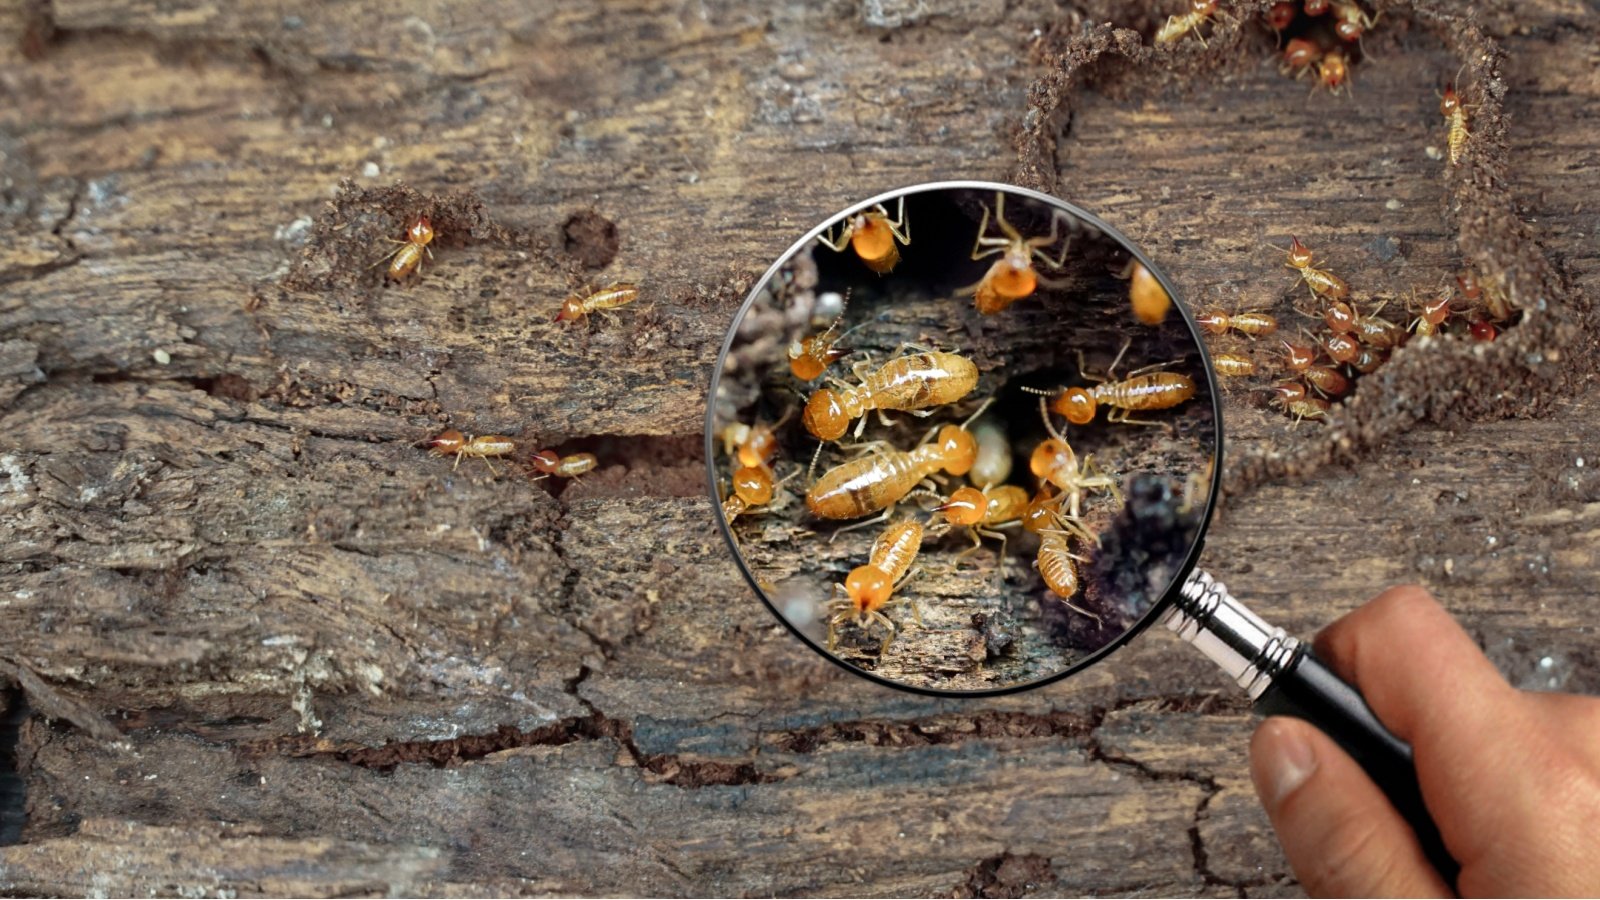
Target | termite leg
(882,517)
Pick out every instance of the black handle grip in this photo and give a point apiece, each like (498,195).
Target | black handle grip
(1307,689)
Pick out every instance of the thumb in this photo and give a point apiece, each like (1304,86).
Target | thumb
(1340,833)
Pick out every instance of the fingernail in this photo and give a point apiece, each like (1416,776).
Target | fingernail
(1291,761)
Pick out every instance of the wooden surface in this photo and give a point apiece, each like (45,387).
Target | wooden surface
(267,646)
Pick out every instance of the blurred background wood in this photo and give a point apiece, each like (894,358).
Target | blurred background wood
(336,666)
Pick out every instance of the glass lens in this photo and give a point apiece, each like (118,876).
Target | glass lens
(962,439)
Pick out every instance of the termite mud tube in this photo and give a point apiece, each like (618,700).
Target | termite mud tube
(963,440)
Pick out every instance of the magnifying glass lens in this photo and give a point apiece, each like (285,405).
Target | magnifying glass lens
(962,438)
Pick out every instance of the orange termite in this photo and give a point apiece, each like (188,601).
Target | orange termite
(810,357)
(1380,333)
(1341,348)
(1328,382)
(1148,298)
(752,489)
(864,486)
(1455,114)
(1055,464)
(753,445)
(1232,365)
(1300,56)
(1288,392)
(1054,560)
(1144,389)
(454,443)
(1483,331)
(909,383)
(1309,408)
(1200,12)
(1298,357)
(1012,277)
(407,257)
(873,235)
(601,301)
(1253,324)
(1352,20)
(551,463)
(1280,16)
(982,511)
(1319,281)
(1333,72)
(1431,314)
(870,588)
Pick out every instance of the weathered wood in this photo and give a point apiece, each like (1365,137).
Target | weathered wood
(215,535)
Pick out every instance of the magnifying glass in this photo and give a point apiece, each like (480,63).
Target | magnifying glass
(963,439)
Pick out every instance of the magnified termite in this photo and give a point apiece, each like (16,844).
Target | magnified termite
(909,383)
(1144,389)
(581,306)
(1013,276)
(873,235)
(870,588)
(1431,314)
(550,463)
(407,257)
(1055,463)
(1055,559)
(753,489)
(810,357)
(753,445)
(453,443)
(992,465)
(1333,71)
(1200,12)
(861,487)
(1309,408)
(980,512)
(1351,21)
(1318,281)
(1300,56)
(1378,332)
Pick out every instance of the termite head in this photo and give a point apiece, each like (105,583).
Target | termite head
(1333,69)
(1288,392)
(1041,512)
(1339,316)
(1076,405)
(806,363)
(873,238)
(1348,30)
(1203,7)
(1317,7)
(1051,456)
(446,443)
(1299,357)
(1449,103)
(958,448)
(868,588)
(571,308)
(1299,254)
(1214,321)
(965,507)
(421,231)
(1300,53)
(753,485)
(825,416)
(1483,331)
(1280,16)
(1013,277)
(1342,348)
(545,461)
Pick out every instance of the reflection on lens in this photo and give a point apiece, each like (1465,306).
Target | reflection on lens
(960,441)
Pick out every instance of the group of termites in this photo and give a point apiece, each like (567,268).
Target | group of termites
(956,475)
(406,259)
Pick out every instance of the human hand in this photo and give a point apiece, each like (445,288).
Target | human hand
(1511,778)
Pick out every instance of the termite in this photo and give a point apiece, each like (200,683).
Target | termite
(1455,113)
(1309,408)
(1144,389)
(601,301)
(1319,281)
(870,588)
(982,511)
(549,462)
(1328,382)
(1281,15)
(454,443)
(1012,277)
(1054,560)
(1483,331)
(1253,324)
(1288,392)
(1380,333)
(753,445)
(1431,314)
(1146,296)
(1369,360)
(908,383)
(407,257)
(1351,20)
(1299,56)
(1333,71)
(877,481)
(1341,348)
(1200,12)
(1055,463)
(752,488)
(873,235)
(1232,365)
(1298,357)
(810,357)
